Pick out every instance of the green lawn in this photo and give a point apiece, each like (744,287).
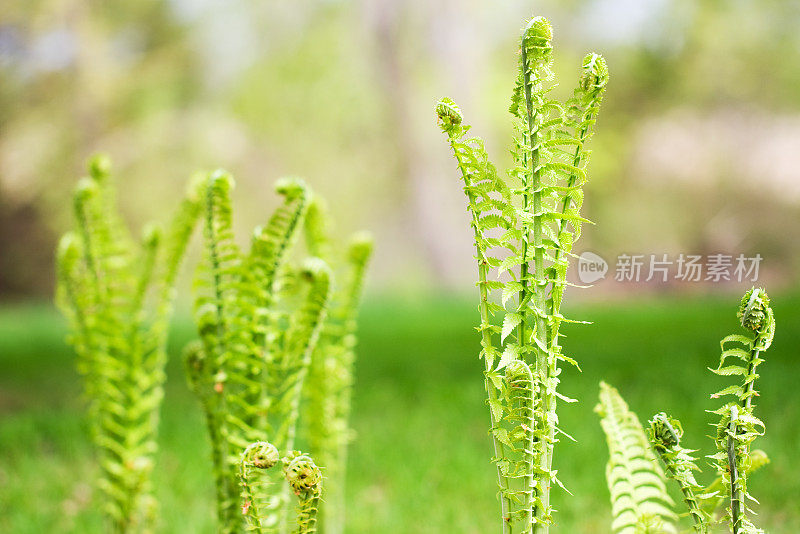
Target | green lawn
(420,462)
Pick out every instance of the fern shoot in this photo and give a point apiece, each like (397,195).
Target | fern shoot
(738,426)
(118,299)
(305,480)
(665,435)
(524,228)
(255,459)
(265,326)
(639,500)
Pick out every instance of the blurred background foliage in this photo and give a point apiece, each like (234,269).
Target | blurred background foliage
(696,148)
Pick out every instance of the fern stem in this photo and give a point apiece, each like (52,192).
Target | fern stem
(689,498)
(747,402)
(539,301)
(737,498)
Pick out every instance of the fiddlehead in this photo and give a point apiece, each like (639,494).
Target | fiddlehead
(665,435)
(255,459)
(639,499)
(305,480)
(738,427)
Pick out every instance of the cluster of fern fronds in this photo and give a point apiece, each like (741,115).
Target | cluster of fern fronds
(274,337)
(525,224)
(275,340)
(639,501)
(117,294)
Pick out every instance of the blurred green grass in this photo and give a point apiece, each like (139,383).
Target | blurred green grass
(420,461)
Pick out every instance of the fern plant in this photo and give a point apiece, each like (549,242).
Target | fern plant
(738,426)
(118,299)
(524,226)
(260,321)
(735,432)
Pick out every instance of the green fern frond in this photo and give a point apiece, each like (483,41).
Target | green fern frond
(639,499)
(738,427)
(255,459)
(104,281)
(304,331)
(665,435)
(317,229)
(271,243)
(261,321)
(524,226)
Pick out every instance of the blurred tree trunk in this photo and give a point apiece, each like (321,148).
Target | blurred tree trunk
(26,248)
(426,223)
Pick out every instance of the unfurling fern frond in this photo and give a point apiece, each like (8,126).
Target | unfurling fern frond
(246,344)
(665,435)
(525,225)
(305,480)
(118,299)
(256,458)
(738,426)
(639,500)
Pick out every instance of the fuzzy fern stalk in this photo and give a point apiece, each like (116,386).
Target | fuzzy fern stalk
(639,500)
(665,435)
(738,426)
(118,299)
(330,379)
(524,226)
